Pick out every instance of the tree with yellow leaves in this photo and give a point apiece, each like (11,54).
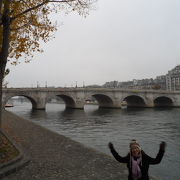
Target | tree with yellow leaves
(25,23)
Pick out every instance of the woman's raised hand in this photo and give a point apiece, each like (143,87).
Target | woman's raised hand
(163,146)
(110,145)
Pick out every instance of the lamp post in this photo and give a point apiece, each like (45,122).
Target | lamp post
(76,84)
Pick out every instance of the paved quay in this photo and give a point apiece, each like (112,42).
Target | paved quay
(56,157)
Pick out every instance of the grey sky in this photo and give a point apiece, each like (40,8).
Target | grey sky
(122,40)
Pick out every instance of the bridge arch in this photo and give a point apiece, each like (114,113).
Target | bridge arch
(134,101)
(32,100)
(103,100)
(69,101)
(163,101)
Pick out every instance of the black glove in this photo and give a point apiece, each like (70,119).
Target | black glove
(162,146)
(110,145)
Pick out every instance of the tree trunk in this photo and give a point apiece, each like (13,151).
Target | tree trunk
(4,49)
(2,70)
(1,2)
(1,106)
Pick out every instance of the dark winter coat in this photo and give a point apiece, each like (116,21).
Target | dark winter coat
(146,161)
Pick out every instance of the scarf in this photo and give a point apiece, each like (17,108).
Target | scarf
(136,171)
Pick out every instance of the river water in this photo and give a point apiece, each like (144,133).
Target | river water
(95,127)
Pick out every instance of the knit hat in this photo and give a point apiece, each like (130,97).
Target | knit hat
(134,143)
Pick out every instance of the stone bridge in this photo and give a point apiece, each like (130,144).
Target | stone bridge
(106,98)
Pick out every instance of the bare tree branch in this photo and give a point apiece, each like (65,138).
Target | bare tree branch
(39,5)
(30,9)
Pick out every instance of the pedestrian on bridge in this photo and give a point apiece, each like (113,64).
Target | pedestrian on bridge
(137,160)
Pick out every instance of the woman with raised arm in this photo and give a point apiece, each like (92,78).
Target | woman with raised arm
(137,160)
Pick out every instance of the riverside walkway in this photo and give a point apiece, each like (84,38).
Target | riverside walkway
(56,157)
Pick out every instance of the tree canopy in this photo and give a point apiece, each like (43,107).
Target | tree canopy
(30,23)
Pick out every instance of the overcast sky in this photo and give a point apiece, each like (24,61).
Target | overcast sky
(121,40)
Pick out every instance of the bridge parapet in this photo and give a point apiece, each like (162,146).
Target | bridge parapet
(107,98)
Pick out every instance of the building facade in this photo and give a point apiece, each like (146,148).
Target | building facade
(173,79)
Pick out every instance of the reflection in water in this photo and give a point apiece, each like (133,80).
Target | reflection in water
(96,127)
(72,112)
(38,114)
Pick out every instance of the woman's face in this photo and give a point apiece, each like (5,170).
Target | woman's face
(135,151)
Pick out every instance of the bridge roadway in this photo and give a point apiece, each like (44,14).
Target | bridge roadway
(106,98)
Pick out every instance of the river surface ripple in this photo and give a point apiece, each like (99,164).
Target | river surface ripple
(96,127)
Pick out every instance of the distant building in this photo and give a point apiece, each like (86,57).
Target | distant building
(173,79)
(160,82)
(111,84)
(126,85)
(144,84)
(170,81)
